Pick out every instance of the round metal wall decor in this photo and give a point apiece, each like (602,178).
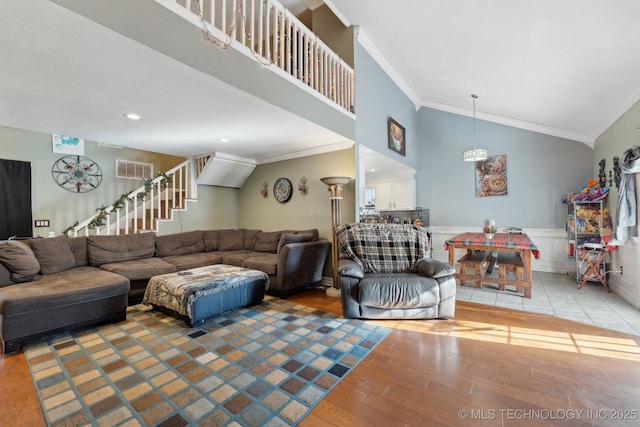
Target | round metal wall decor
(282,190)
(78,174)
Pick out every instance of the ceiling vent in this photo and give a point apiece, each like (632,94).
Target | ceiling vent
(133,170)
(224,170)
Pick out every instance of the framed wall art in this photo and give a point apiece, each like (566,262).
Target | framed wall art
(396,135)
(491,176)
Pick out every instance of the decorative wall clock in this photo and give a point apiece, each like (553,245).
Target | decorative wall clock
(77,174)
(282,190)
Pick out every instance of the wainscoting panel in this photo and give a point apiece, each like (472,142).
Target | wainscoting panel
(626,285)
(551,242)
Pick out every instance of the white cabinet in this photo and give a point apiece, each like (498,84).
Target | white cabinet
(396,195)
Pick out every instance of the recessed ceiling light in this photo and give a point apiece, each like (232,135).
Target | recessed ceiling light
(372,170)
(132,116)
(223,139)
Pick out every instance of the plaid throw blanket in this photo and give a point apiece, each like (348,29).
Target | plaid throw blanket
(384,248)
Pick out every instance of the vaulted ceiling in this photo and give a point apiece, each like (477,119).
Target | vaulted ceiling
(567,68)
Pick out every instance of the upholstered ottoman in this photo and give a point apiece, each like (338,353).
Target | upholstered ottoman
(199,293)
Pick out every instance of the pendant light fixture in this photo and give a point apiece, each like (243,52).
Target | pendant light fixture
(477,153)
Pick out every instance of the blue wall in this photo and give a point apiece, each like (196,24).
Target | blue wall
(541,170)
(378,97)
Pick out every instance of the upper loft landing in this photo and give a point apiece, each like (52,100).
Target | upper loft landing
(273,36)
(256,46)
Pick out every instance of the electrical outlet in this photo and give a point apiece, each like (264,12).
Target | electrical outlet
(621,270)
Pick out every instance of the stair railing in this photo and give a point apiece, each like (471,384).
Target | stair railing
(274,36)
(141,209)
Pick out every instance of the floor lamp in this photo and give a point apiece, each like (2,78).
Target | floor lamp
(335,184)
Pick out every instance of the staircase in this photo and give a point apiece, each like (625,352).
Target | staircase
(145,208)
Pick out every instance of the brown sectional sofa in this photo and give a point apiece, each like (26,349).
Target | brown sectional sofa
(56,283)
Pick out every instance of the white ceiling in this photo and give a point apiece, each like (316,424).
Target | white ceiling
(64,74)
(568,68)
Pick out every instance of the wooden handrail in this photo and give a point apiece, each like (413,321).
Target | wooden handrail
(158,197)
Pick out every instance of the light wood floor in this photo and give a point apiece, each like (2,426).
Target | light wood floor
(490,366)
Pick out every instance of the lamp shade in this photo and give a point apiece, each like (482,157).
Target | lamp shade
(475,155)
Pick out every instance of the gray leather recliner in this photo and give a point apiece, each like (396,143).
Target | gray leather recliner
(385,272)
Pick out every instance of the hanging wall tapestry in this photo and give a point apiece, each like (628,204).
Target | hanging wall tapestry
(491,176)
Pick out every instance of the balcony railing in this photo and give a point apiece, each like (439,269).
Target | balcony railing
(275,37)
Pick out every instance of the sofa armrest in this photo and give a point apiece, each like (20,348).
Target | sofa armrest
(435,269)
(300,264)
(347,267)
(5,276)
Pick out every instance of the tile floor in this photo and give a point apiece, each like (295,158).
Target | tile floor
(558,295)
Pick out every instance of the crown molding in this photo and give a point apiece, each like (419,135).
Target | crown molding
(507,121)
(614,114)
(307,152)
(377,56)
(314,4)
(586,138)
(386,66)
(337,13)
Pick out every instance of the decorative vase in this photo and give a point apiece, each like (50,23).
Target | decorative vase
(489,236)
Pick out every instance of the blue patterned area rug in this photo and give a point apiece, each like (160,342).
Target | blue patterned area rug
(265,365)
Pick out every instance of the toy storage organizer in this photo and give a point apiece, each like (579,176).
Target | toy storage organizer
(586,221)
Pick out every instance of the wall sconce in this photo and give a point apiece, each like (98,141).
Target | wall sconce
(302,186)
(265,189)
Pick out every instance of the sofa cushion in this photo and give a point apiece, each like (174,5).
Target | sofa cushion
(54,254)
(179,244)
(186,262)
(250,237)
(287,238)
(231,240)
(83,284)
(267,241)
(267,263)
(126,247)
(398,291)
(79,250)
(5,276)
(238,258)
(141,268)
(314,232)
(19,259)
(211,240)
